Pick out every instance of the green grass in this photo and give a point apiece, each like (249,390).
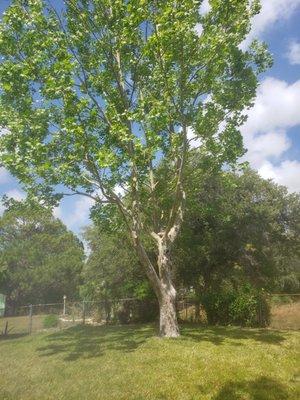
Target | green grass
(131,363)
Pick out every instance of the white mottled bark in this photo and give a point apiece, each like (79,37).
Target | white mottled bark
(168,325)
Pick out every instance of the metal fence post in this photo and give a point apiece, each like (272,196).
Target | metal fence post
(83,312)
(30,319)
(73,313)
(64,310)
(186,310)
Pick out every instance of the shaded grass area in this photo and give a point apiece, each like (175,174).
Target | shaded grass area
(110,362)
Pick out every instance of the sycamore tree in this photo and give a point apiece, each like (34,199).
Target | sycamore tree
(95,94)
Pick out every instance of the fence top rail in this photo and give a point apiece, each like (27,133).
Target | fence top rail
(40,305)
(82,301)
(112,300)
(284,294)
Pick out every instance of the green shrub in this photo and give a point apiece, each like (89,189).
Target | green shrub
(243,310)
(245,306)
(145,311)
(216,305)
(51,321)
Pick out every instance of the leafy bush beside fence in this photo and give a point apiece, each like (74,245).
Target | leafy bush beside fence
(245,306)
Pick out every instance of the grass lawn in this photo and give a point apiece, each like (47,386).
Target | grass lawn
(118,363)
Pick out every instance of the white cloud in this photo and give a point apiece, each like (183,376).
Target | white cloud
(80,213)
(194,140)
(270,145)
(294,53)
(57,212)
(276,109)
(287,173)
(16,194)
(272,11)
(119,190)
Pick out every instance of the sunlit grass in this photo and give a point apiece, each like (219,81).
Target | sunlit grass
(132,363)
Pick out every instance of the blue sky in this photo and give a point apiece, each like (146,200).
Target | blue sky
(272,132)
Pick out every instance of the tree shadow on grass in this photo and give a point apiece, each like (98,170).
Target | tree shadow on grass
(93,341)
(262,388)
(232,335)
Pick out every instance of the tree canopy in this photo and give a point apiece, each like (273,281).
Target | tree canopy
(41,259)
(239,228)
(112,270)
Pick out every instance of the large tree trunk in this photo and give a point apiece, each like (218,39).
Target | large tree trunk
(162,286)
(168,325)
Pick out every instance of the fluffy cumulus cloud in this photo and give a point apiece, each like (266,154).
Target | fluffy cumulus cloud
(272,12)
(271,145)
(294,53)
(78,215)
(286,173)
(82,209)
(276,106)
(276,109)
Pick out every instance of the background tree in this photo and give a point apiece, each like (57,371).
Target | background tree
(92,97)
(112,272)
(42,259)
(239,228)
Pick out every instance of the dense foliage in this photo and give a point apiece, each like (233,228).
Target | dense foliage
(239,228)
(113,277)
(42,260)
(244,306)
(112,270)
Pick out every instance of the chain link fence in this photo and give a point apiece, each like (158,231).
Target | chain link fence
(40,317)
(285,314)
